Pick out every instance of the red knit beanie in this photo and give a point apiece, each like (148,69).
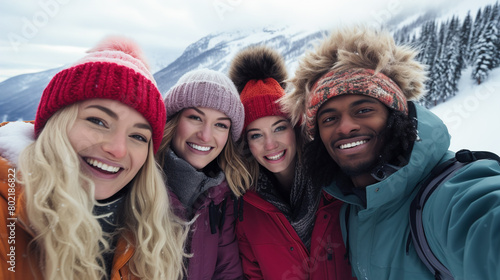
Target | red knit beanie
(115,69)
(258,73)
(259,98)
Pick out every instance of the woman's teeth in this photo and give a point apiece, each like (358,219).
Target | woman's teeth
(199,148)
(276,157)
(103,166)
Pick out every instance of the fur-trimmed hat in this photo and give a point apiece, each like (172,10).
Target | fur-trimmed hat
(259,73)
(115,69)
(355,60)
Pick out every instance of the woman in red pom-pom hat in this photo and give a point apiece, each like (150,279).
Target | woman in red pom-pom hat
(85,199)
(287,228)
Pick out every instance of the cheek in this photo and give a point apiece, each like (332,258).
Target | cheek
(78,137)
(254,147)
(139,158)
(324,135)
(221,139)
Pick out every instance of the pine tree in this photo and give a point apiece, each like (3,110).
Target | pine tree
(436,84)
(486,52)
(465,41)
(476,31)
(494,19)
(428,45)
(451,60)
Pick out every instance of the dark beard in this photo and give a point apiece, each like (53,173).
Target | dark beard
(363,168)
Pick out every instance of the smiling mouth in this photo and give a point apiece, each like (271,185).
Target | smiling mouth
(199,148)
(352,145)
(102,166)
(276,157)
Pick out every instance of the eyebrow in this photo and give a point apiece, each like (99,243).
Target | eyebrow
(203,113)
(279,121)
(355,103)
(105,110)
(274,124)
(113,115)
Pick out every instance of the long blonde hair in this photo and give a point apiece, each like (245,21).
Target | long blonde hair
(69,241)
(230,160)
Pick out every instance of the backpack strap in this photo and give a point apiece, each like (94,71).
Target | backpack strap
(439,174)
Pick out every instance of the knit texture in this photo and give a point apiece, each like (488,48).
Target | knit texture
(353,81)
(188,183)
(108,74)
(259,98)
(209,89)
(300,211)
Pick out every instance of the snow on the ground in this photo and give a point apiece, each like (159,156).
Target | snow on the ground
(473,115)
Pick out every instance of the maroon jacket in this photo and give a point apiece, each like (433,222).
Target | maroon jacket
(271,249)
(212,239)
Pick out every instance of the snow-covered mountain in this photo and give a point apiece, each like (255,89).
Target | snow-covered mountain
(468,115)
(20,94)
(217,50)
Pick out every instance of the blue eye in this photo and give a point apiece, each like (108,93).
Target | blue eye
(254,136)
(140,138)
(280,128)
(221,125)
(194,117)
(96,121)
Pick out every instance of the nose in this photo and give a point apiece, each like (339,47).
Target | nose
(115,145)
(347,125)
(205,133)
(270,143)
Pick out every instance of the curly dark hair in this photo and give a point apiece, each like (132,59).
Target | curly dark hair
(401,132)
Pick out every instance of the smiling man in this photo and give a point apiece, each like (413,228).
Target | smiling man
(372,148)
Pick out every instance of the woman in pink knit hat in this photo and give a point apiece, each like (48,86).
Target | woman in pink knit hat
(287,229)
(205,172)
(85,200)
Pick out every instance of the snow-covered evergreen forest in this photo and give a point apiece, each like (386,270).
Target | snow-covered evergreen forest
(449,47)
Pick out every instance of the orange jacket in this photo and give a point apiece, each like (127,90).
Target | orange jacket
(16,262)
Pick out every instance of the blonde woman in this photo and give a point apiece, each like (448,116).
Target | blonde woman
(204,169)
(86,199)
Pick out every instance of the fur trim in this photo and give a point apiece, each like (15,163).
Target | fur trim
(357,47)
(14,138)
(257,63)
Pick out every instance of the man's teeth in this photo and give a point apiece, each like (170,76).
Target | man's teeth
(352,145)
(276,157)
(199,148)
(103,166)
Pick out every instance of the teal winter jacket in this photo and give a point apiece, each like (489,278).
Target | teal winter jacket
(461,218)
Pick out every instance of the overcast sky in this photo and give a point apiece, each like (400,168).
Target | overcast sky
(37,35)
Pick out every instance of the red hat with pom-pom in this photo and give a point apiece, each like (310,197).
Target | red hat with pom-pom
(115,69)
(259,73)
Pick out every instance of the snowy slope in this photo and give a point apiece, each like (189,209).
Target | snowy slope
(473,115)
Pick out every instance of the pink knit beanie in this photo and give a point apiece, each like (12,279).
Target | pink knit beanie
(210,89)
(114,69)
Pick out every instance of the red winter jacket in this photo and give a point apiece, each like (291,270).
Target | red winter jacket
(271,249)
